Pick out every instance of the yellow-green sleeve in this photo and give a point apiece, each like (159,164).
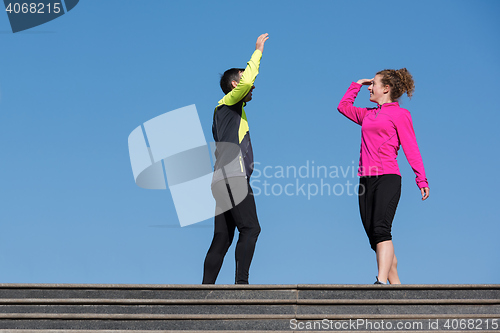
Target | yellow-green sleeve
(246,81)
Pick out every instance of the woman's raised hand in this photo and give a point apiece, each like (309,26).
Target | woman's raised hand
(365,82)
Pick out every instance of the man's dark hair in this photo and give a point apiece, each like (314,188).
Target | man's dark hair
(229,76)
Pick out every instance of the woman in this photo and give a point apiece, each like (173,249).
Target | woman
(383,129)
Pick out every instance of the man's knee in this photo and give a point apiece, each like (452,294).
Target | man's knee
(222,240)
(250,232)
(257,230)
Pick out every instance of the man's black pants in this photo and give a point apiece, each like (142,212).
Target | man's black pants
(242,215)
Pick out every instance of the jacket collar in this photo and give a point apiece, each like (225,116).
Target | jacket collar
(396,103)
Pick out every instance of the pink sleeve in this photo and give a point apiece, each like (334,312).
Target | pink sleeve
(347,108)
(408,141)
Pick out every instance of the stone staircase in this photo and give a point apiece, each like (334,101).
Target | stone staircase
(58,308)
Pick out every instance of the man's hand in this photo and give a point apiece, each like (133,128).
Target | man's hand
(365,82)
(260,42)
(425,193)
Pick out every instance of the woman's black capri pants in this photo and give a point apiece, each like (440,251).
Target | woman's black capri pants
(378,200)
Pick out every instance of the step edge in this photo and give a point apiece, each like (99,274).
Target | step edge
(102,301)
(244,287)
(71,316)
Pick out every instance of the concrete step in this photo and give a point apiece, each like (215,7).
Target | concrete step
(249,291)
(149,308)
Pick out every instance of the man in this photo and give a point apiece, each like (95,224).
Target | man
(233,168)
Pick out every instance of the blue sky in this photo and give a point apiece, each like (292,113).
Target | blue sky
(73,89)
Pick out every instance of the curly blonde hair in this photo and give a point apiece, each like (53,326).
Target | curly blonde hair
(399,80)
